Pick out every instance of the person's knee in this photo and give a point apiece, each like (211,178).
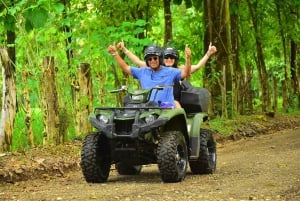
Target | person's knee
(177,104)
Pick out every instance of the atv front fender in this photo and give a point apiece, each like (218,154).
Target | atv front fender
(166,118)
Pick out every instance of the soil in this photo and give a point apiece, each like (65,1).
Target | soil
(259,161)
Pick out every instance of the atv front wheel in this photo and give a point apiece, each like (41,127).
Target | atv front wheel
(95,158)
(206,163)
(125,169)
(172,156)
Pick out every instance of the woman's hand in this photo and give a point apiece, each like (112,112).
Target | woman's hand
(187,51)
(211,50)
(121,46)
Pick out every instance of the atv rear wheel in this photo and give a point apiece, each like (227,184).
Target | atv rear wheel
(125,169)
(172,156)
(206,163)
(95,158)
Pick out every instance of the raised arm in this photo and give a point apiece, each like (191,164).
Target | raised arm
(131,56)
(186,70)
(113,51)
(211,50)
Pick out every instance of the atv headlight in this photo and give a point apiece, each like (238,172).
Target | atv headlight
(103,118)
(150,118)
(138,98)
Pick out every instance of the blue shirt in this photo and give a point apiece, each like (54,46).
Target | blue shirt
(166,76)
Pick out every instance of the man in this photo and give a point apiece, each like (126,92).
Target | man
(154,73)
(170,58)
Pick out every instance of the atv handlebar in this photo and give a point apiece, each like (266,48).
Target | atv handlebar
(122,89)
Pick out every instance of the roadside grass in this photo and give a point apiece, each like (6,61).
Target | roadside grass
(228,126)
(20,139)
(223,126)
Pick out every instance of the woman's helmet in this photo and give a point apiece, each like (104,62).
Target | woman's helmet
(171,52)
(153,50)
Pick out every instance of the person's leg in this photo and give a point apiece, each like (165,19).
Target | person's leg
(177,104)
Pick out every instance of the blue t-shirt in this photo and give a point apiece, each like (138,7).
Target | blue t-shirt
(166,76)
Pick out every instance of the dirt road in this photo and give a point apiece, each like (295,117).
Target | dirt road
(265,167)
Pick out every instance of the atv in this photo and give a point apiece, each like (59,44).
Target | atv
(142,132)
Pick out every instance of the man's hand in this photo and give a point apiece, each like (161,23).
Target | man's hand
(112,49)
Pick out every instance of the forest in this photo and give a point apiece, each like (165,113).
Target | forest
(56,68)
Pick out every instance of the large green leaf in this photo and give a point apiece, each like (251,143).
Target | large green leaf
(177,2)
(9,22)
(35,18)
(188,3)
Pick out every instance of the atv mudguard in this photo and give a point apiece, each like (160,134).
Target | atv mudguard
(168,120)
(194,125)
(176,120)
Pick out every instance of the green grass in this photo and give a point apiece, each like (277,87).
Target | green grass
(224,126)
(19,139)
(228,126)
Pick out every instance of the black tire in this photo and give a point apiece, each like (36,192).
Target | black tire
(125,169)
(206,163)
(172,157)
(95,158)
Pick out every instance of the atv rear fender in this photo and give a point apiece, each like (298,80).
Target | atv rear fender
(194,125)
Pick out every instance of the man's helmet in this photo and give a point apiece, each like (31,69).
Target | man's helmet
(171,52)
(153,50)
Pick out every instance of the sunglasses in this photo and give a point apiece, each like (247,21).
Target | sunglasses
(152,58)
(169,57)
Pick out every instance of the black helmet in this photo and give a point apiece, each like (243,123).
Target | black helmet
(153,50)
(171,51)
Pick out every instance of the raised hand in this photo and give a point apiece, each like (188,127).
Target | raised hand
(211,49)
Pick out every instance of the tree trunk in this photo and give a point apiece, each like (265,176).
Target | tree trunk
(118,83)
(50,103)
(294,77)
(168,22)
(285,81)
(261,66)
(67,30)
(216,32)
(9,101)
(101,92)
(238,77)
(84,99)
(234,91)
(222,84)
(275,96)
(247,88)
(208,35)
(27,108)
